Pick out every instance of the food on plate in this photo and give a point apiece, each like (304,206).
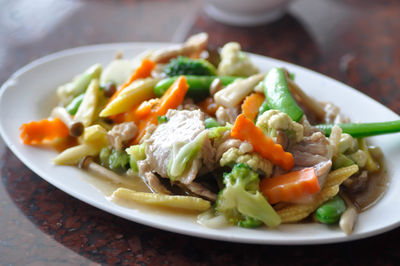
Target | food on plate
(243,147)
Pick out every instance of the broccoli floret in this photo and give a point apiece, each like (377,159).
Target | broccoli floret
(115,160)
(241,201)
(187,66)
(249,222)
(273,120)
(104,155)
(136,153)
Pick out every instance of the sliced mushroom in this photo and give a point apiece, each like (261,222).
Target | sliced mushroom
(349,217)
(150,179)
(282,139)
(75,127)
(199,190)
(356,184)
(215,86)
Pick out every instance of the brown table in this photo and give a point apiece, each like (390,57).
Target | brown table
(354,41)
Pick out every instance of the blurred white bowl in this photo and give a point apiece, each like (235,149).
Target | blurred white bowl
(245,12)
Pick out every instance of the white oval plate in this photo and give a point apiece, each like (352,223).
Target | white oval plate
(30,94)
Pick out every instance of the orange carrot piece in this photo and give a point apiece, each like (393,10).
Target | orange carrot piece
(146,107)
(251,105)
(36,132)
(244,129)
(171,99)
(118,118)
(143,71)
(290,186)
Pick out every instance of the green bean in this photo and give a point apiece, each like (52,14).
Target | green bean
(360,130)
(199,86)
(277,93)
(330,211)
(73,106)
(210,123)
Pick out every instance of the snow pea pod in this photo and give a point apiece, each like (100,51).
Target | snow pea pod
(360,130)
(329,212)
(199,86)
(277,93)
(73,106)
(263,108)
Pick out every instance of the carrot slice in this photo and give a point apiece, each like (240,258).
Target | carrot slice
(143,71)
(146,107)
(290,186)
(251,105)
(36,132)
(245,130)
(171,99)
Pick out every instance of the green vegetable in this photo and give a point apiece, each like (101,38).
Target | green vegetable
(182,155)
(136,153)
(277,93)
(211,122)
(73,106)
(199,86)
(115,160)
(241,201)
(119,161)
(104,155)
(217,132)
(79,85)
(330,212)
(341,161)
(187,66)
(162,119)
(263,108)
(249,222)
(360,130)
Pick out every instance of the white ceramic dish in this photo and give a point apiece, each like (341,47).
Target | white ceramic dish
(245,13)
(30,94)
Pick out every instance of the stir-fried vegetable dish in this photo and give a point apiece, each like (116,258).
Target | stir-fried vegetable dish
(206,131)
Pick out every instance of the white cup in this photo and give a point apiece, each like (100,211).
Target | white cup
(245,12)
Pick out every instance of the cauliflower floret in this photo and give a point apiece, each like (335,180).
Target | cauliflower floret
(234,62)
(253,160)
(273,120)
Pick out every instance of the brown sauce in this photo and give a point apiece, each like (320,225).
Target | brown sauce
(375,189)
